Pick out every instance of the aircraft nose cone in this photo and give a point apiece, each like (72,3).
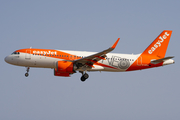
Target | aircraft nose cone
(6,59)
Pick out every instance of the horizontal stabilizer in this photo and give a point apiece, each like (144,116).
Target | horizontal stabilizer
(160,60)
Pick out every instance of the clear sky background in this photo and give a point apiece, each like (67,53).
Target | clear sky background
(89,25)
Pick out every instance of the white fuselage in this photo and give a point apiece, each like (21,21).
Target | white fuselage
(112,59)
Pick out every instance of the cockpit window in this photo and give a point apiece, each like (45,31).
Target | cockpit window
(15,53)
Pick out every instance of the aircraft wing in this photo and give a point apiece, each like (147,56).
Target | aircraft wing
(90,60)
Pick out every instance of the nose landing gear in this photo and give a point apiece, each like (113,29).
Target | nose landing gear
(27,74)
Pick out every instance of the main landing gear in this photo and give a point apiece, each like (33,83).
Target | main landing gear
(27,74)
(84,76)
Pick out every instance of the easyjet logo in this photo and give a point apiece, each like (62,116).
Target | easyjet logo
(158,43)
(44,52)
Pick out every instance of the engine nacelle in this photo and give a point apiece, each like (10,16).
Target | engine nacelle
(64,68)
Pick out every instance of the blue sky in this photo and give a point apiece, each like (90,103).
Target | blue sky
(94,25)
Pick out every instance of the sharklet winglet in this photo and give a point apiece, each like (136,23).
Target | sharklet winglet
(114,45)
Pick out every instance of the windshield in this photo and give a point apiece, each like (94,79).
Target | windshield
(15,53)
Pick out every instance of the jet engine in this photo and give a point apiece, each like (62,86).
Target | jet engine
(64,68)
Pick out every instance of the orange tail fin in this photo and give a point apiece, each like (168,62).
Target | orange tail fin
(159,46)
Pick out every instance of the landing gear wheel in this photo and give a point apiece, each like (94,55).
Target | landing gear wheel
(84,77)
(26,74)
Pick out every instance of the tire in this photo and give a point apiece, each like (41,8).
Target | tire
(86,76)
(83,78)
(26,74)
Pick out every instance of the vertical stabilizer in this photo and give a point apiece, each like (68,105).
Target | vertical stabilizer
(159,46)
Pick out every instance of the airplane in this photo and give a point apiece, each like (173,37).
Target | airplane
(66,62)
